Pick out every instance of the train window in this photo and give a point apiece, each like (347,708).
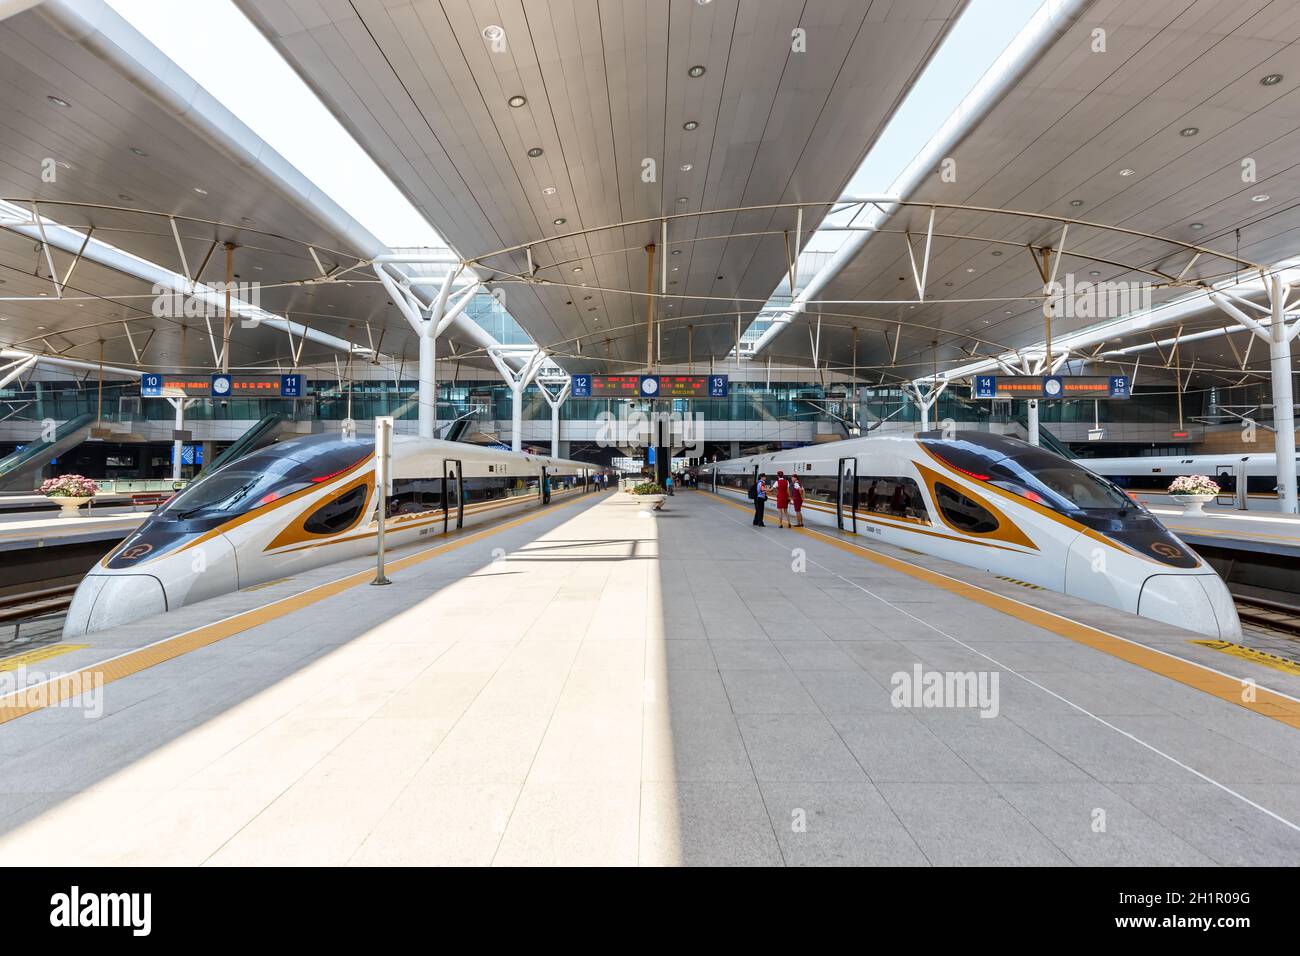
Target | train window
(963,513)
(337,515)
(893,496)
(413,495)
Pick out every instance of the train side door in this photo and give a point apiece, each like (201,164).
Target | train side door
(453,494)
(846,496)
(1226,478)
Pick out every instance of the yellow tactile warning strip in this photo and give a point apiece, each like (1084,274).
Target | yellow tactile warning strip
(39,654)
(66,686)
(1265,702)
(1284,664)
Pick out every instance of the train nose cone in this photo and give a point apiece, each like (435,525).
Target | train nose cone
(1197,602)
(106,600)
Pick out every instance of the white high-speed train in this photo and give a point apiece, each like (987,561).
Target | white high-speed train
(301,504)
(1008,507)
(1154,473)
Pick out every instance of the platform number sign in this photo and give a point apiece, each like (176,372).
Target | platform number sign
(1119,386)
(718,386)
(580,386)
(151,385)
(221,385)
(986,386)
(291,386)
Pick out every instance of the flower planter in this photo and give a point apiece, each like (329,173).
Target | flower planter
(69,506)
(1193,505)
(657,501)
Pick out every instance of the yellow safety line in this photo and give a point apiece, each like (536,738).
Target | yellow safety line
(39,654)
(66,686)
(1284,664)
(1266,703)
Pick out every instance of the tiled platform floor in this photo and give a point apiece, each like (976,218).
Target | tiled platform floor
(602,686)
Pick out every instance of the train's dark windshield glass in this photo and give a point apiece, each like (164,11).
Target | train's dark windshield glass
(266,476)
(1034,474)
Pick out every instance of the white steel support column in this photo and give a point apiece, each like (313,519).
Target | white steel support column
(518,381)
(1278,336)
(925,400)
(177,445)
(1031,415)
(556,403)
(428,407)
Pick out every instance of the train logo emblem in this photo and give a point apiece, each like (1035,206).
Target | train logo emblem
(1166,550)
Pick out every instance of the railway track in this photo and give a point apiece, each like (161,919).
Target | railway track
(17,609)
(1273,615)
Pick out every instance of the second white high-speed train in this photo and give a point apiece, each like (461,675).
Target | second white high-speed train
(1008,507)
(1258,472)
(301,504)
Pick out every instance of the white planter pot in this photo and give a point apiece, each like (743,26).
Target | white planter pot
(70,507)
(655,501)
(1193,504)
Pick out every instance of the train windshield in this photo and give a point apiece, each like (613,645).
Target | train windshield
(1035,474)
(266,476)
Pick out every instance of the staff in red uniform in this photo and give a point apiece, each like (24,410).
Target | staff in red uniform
(796,499)
(782,500)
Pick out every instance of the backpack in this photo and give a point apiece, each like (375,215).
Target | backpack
(753,492)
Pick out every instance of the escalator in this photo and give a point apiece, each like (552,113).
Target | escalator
(262,433)
(16,471)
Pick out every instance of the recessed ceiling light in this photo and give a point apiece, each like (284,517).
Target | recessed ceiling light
(675,268)
(200,190)
(1094,272)
(247,220)
(696,71)
(682,199)
(591,308)
(559,221)
(1198,226)
(535,152)
(1188,131)
(517,101)
(586,298)
(970,269)
(690,125)
(677,252)
(1126,172)
(947,283)
(548,191)
(493,32)
(686,167)
(577,268)
(997,252)
(1006,312)
(1262,197)
(1272,79)
(1076,202)
(125,198)
(59,101)
(138,151)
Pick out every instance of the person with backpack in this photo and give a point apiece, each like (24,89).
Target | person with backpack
(668,484)
(758,494)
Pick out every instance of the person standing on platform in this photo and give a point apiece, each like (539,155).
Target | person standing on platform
(668,484)
(796,499)
(546,489)
(782,500)
(758,492)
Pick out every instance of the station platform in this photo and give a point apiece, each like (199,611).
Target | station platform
(1268,532)
(596,683)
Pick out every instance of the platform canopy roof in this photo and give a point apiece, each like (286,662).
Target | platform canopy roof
(499,119)
(1186,126)
(109,136)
